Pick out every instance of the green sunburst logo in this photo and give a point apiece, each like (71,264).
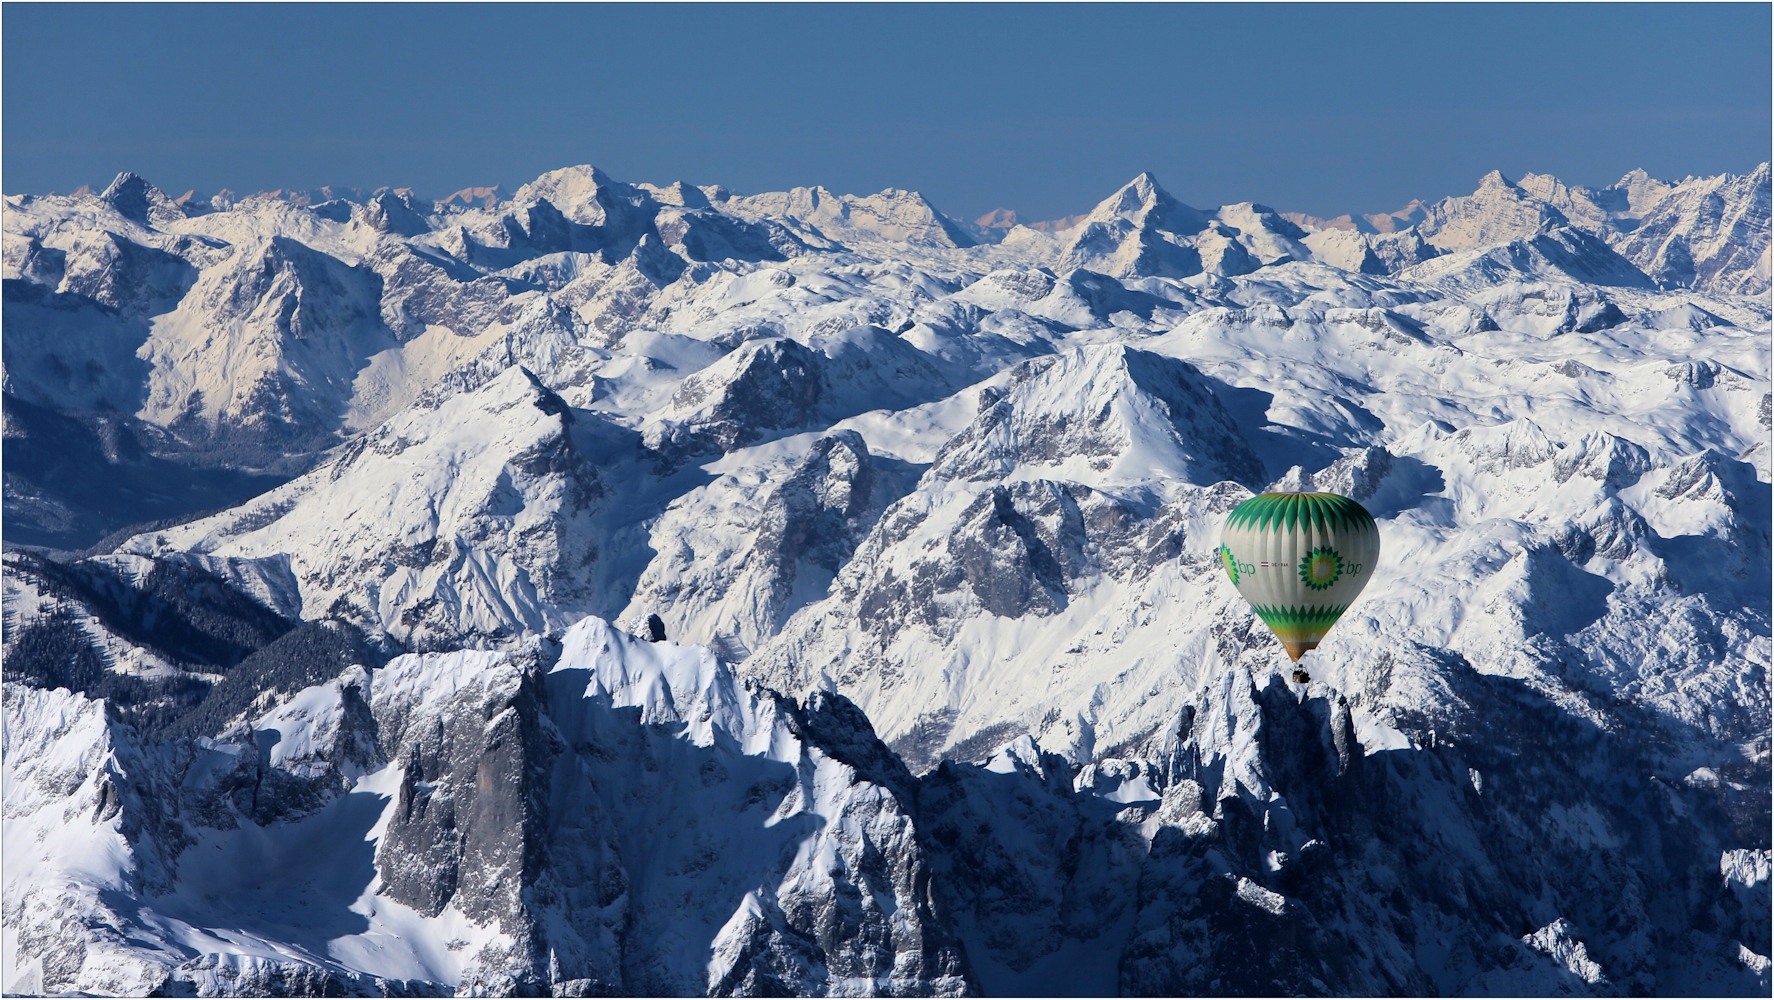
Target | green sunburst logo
(1320,568)
(1230,563)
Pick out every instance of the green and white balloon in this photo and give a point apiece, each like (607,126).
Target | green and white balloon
(1300,559)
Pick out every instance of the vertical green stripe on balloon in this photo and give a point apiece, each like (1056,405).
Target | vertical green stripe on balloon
(1291,511)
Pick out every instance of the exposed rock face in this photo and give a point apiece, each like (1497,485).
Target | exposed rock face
(139,201)
(396,214)
(895,215)
(1710,233)
(1226,862)
(1565,254)
(762,386)
(80,317)
(1086,467)
(773,385)
(603,814)
(1126,234)
(804,523)
(1706,233)
(1497,212)
(299,326)
(612,251)
(423,290)
(592,815)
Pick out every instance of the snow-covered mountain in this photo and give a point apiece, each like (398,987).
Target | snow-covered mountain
(954,696)
(1141,231)
(1706,233)
(469,518)
(1703,234)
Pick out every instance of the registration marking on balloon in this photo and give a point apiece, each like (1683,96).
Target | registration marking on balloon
(1300,559)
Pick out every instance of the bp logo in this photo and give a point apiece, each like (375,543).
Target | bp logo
(1320,568)
(1230,563)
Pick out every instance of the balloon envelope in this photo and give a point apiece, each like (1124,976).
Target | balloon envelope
(1300,559)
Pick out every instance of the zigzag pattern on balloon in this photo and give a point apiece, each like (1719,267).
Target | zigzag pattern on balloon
(1300,624)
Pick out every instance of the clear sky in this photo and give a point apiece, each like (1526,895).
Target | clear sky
(1042,109)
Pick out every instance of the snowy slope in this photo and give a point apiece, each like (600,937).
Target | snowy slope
(464,521)
(895,478)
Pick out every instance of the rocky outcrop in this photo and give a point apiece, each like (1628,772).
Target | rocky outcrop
(300,325)
(1708,233)
(777,384)
(803,524)
(602,814)
(596,814)
(1564,254)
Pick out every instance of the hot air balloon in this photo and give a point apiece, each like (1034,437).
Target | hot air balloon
(1300,559)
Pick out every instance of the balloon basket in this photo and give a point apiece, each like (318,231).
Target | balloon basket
(1302,677)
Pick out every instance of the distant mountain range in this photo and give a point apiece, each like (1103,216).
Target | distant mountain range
(335,519)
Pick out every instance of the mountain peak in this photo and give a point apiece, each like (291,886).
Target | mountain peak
(1137,197)
(397,213)
(582,172)
(677,193)
(1142,231)
(1565,253)
(973,489)
(478,197)
(1146,416)
(1708,233)
(1497,212)
(1144,201)
(892,215)
(579,192)
(1495,181)
(130,195)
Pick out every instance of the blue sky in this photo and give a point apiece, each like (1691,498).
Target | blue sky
(1042,109)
